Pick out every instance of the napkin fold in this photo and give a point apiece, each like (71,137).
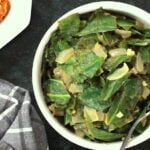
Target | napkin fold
(20,126)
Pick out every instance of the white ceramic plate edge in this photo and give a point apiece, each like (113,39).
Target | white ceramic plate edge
(16,21)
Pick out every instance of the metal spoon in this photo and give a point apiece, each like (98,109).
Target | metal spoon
(126,140)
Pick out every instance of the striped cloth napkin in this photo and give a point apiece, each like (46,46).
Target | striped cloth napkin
(20,125)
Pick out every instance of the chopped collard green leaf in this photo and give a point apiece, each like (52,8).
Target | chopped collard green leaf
(96,74)
(101,23)
(70,25)
(91,97)
(125,24)
(101,134)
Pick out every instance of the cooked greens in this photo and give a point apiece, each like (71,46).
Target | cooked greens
(96,74)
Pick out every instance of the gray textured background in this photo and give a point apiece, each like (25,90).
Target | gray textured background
(16,58)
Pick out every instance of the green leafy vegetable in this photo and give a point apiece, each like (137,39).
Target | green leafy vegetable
(125,24)
(87,42)
(61,45)
(70,25)
(108,38)
(145,53)
(91,98)
(133,88)
(73,72)
(111,88)
(102,23)
(56,91)
(138,42)
(113,62)
(96,74)
(86,65)
(147,33)
(118,115)
(89,63)
(101,134)
(68,112)
(143,125)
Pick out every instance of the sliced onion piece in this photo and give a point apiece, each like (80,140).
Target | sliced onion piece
(99,51)
(119,73)
(117,52)
(65,55)
(123,33)
(139,65)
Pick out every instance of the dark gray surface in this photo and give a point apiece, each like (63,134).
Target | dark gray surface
(16,58)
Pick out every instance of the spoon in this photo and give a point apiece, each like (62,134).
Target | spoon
(126,140)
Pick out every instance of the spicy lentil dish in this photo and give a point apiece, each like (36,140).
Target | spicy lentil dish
(4,9)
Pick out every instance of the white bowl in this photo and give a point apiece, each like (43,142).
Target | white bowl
(126,9)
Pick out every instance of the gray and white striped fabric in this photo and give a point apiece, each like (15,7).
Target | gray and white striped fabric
(20,126)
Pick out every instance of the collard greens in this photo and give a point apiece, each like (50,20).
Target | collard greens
(96,74)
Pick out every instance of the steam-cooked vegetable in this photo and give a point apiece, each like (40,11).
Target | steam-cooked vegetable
(113,62)
(119,73)
(91,97)
(139,63)
(99,133)
(56,91)
(96,74)
(99,51)
(123,33)
(117,52)
(100,23)
(64,55)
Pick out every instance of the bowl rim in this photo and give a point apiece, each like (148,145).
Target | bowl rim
(124,8)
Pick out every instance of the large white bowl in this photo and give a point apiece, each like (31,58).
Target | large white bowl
(126,9)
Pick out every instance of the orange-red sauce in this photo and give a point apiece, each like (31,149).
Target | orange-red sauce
(4,9)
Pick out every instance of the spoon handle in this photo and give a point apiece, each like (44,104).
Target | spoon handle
(125,142)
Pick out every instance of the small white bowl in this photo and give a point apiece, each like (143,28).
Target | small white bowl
(123,8)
